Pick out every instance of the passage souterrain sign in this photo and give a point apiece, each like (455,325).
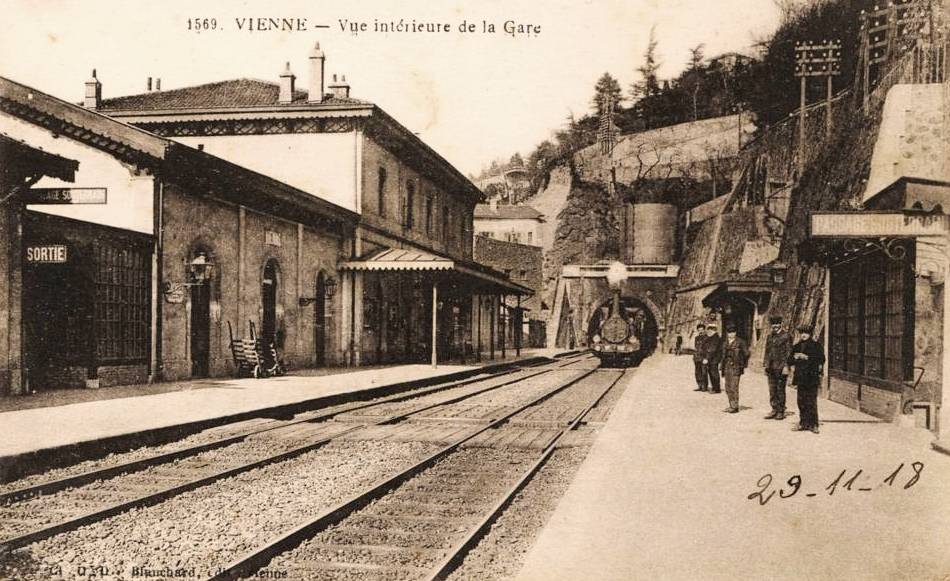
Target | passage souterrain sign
(66,196)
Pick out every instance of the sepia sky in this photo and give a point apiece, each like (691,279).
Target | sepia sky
(471,96)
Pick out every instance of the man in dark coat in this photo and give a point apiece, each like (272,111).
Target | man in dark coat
(712,354)
(808,359)
(735,357)
(699,367)
(778,346)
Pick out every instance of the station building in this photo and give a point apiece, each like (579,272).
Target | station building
(193,216)
(409,286)
(127,256)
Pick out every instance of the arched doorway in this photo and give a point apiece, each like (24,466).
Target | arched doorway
(269,283)
(200,286)
(319,321)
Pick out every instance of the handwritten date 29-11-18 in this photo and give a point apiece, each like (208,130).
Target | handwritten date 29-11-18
(844,482)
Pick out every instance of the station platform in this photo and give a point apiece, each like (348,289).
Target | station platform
(664,493)
(47,433)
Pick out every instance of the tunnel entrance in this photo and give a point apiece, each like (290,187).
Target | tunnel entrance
(632,309)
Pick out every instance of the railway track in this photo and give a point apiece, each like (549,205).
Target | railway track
(42,510)
(421,522)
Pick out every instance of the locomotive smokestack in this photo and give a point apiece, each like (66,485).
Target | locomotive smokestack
(616,303)
(616,274)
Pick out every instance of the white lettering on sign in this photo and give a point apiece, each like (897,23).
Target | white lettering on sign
(54,254)
(860,224)
(271,238)
(67,196)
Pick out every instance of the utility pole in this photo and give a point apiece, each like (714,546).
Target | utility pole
(815,59)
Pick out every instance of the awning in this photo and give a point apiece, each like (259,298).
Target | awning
(755,282)
(400,259)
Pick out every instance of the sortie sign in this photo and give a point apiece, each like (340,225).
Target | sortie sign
(48,254)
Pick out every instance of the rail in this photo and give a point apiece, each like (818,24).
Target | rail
(154,497)
(247,564)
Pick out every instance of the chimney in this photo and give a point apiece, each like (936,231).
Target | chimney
(93,92)
(340,89)
(286,94)
(317,61)
(158,83)
(148,85)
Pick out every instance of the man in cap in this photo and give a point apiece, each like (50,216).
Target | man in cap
(711,355)
(778,346)
(807,358)
(735,356)
(698,365)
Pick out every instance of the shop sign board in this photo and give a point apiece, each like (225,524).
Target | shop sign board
(877,224)
(66,196)
(46,254)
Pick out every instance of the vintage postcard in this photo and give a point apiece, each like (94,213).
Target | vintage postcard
(458,290)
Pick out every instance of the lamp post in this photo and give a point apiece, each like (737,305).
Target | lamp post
(329,289)
(200,270)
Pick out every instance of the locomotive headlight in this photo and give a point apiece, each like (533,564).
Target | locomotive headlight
(596,338)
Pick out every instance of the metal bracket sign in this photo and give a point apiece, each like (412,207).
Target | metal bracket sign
(66,196)
(47,254)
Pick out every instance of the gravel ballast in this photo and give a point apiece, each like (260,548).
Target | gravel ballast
(500,554)
(208,527)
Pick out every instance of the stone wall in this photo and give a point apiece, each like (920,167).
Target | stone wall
(521,262)
(237,242)
(696,149)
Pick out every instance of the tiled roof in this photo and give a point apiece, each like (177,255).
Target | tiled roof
(506,212)
(234,93)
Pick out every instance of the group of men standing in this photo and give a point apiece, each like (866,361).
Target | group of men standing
(714,356)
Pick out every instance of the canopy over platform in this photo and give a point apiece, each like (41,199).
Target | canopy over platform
(467,272)
(22,159)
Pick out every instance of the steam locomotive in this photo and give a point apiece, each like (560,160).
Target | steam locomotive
(617,334)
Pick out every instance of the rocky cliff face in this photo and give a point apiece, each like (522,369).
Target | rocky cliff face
(587,231)
(550,200)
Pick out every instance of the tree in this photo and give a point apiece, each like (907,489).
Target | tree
(606,87)
(692,79)
(516,161)
(696,57)
(649,83)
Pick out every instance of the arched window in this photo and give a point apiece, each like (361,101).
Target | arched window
(445,224)
(270,280)
(429,203)
(381,192)
(410,202)
(200,279)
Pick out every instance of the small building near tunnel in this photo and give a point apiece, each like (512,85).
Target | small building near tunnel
(887,300)
(887,323)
